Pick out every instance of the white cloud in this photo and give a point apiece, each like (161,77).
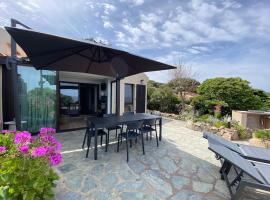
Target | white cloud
(134,2)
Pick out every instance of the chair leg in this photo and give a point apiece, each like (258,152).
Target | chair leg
(116,133)
(150,135)
(86,132)
(157,138)
(127,148)
(106,142)
(142,144)
(101,138)
(108,136)
(118,143)
(147,136)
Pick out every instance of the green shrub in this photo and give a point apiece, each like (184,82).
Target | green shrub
(218,124)
(242,132)
(262,134)
(26,162)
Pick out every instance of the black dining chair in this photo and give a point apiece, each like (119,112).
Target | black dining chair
(131,133)
(111,128)
(90,132)
(149,125)
(128,113)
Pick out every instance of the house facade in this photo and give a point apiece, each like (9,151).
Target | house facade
(63,99)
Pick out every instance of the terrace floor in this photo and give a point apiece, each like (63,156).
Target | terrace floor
(181,167)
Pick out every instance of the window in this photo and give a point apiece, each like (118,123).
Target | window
(129,98)
(69,93)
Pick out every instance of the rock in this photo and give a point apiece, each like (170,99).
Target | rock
(131,186)
(89,184)
(67,168)
(154,179)
(179,181)
(187,195)
(73,196)
(74,181)
(109,180)
(259,143)
(168,165)
(101,195)
(221,188)
(203,187)
(132,195)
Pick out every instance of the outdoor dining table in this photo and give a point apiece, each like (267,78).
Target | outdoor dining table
(103,122)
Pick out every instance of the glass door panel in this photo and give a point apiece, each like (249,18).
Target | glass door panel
(37,97)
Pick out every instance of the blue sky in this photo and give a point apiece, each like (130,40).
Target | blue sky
(215,37)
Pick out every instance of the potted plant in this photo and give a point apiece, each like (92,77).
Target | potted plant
(26,164)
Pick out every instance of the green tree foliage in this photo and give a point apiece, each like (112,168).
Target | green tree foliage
(162,98)
(184,84)
(236,92)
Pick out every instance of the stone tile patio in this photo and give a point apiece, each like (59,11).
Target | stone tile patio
(180,168)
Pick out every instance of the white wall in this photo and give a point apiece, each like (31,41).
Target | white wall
(141,79)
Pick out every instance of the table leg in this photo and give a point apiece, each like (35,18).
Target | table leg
(160,129)
(88,142)
(95,151)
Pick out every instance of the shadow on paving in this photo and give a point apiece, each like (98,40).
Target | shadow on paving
(180,168)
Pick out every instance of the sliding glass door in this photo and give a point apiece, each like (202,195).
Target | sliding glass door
(37,98)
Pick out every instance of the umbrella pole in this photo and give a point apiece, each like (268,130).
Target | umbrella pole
(17,110)
(118,96)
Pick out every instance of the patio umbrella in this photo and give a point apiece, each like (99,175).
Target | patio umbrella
(52,52)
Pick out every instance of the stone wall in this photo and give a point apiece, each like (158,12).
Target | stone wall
(227,133)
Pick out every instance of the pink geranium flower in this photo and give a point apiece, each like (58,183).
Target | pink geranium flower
(55,159)
(22,138)
(23,149)
(39,151)
(3,149)
(45,131)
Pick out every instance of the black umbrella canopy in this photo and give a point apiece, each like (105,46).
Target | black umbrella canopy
(52,52)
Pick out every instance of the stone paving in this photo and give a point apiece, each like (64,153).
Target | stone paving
(181,167)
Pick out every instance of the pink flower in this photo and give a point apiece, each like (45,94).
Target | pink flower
(55,159)
(23,149)
(22,138)
(50,141)
(3,149)
(45,131)
(39,151)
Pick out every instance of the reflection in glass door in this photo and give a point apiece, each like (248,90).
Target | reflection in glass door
(37,95)
(77,102)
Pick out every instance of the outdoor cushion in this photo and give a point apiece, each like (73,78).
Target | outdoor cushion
(243,164)
(250,152)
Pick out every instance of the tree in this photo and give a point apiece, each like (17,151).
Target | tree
(183,81)
(236,92)
(164,99)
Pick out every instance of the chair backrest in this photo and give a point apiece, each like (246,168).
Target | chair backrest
(128,113)
(109,115)
(236,160)
(150,122)
(134,125)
